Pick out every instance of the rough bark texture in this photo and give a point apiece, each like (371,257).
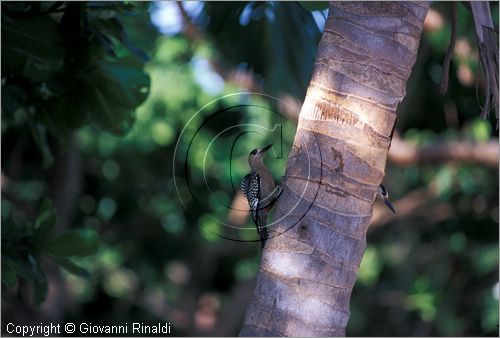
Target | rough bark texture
(310,263)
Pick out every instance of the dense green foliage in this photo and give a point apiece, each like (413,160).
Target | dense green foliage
(94,100)
(63,65)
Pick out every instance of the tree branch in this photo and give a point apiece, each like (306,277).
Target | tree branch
(403,153)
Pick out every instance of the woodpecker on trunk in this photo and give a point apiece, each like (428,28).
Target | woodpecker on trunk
(384,195)
(260,191)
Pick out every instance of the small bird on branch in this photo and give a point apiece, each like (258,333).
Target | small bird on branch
(384,196)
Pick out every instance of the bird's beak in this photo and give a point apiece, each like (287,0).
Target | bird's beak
(266,148)
(389,204)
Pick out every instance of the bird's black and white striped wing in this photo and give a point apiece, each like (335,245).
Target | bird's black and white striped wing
(250,186)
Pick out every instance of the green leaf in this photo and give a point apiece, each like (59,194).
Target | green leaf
(107,95)
(21,267)
(314,5)
(116,89)
(39,132)
(70,266)
(31,46)
(72,243)
(68,110)
(46,219)
(9,276)
(40,283)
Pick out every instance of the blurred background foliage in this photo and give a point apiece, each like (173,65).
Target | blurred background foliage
(95,96)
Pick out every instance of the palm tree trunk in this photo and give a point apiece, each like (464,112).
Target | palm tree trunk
(310,263)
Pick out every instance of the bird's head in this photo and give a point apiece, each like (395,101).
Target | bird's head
(258,154)
(384,195)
